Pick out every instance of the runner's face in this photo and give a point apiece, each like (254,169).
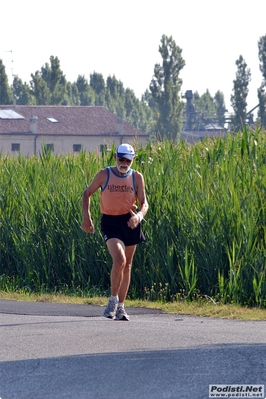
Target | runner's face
(123,165)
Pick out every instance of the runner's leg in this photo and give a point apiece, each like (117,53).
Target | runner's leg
(117,251)
(123,289)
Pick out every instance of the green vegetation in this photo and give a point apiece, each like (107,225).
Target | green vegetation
(205,307)
(205,229)
(161,108)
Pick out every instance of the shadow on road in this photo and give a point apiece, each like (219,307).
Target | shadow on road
(172,374)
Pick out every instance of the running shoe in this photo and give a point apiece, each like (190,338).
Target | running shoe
(111,309)
(121,314)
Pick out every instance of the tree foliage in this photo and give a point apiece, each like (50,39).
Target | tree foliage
(240,93)
(56,81)
(220,107)
(204,110)
(98,85)
(40,89)
(85,91)
(5,91)
(262,89)
(165,88)
(210,109)
(262,55)
(21,93)
(49,86)
(72,94)
(160,110)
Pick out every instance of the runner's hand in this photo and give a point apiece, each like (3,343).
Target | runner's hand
(133,221)
(87,225)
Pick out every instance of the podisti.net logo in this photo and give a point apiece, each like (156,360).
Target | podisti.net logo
(236,391)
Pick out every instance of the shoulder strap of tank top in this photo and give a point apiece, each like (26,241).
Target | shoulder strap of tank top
(107,178)
(133,180)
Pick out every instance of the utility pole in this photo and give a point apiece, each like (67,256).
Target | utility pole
(12,76)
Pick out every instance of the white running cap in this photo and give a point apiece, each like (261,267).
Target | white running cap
(125,151)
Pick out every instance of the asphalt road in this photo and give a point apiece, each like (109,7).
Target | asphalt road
(54,351)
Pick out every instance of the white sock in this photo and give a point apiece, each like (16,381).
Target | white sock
(114,298)
(120,304)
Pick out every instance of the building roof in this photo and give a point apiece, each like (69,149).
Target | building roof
(213,127)
(64,120)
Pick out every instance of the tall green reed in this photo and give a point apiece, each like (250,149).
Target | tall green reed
(205,229)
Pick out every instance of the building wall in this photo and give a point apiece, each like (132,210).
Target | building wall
(33,144)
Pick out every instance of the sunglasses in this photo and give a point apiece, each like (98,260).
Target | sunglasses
(128,161)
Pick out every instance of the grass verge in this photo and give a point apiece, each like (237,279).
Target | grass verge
(203,308)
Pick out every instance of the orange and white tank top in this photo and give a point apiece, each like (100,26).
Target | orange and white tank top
(118,195)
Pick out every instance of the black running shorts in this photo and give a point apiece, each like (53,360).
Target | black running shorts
(116,227)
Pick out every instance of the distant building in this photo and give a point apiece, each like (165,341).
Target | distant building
(194,136)
(63,129)
(196,127)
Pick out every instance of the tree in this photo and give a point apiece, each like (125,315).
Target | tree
(21,92)
(73,94)
(59,96)
(205,105)
(52,74)
(148,99)
(261,90)
(209,109)
(262,55)
(86,92)
(240,89)
(98,84)
(165,88)
(40,90)
(56,82)
(115,96)
(262,104)
(5,91)
(220,107)
(140,114)
(115,87)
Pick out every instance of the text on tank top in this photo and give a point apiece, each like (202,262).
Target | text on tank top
(118,195)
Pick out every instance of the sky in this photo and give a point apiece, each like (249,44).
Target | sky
(121,38)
